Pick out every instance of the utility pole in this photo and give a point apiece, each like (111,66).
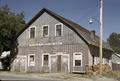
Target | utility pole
(101,34)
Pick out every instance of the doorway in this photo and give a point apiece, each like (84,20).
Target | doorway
(60,63)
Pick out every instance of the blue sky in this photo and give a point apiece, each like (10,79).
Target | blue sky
(78,11)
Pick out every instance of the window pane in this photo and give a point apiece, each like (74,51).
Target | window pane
(46,59)
(58,30)
(78,59)
(77,62)
(32,32)
(31,58)
(45,31)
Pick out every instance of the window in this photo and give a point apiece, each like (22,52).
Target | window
(45,31)
(32,32)
(77,59)
(77,62)
(58,30)
(45,60)
(31,60)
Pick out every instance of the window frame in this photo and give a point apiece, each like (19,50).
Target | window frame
(43,59)
(42,30)
(61,29)
(29,60)
(80,59)
(30,31)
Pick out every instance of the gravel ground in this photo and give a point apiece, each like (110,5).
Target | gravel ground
(63,76)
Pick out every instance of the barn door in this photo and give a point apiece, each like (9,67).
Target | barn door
(59,63)
(53,63)
(65,63)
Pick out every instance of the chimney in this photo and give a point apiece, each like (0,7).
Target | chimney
(93,34)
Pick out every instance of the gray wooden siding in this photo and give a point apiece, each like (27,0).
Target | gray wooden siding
(115,67)
(70,43)
(67,49)
(69,37)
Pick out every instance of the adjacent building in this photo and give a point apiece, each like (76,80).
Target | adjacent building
(116,62)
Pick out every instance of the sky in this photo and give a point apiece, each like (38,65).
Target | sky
(79,11)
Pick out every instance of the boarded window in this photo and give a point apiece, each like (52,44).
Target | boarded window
(78,59)
(45,31)
(58,30)
(32,32)
(46,60)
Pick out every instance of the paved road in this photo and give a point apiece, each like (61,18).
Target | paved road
(24,78)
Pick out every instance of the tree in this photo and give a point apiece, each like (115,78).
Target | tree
(114,41)
(10,25)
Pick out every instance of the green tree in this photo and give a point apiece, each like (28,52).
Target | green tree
(114,41)
(10,25)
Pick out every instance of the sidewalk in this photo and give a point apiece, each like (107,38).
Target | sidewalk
(61,76)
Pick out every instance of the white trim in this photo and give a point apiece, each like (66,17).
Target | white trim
(74,59)
(30,28)
(46,44)
(79,71)
(29,60)
(60,53)
(48,30)
(61,28)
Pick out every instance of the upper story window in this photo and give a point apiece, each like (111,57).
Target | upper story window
(31,60)
(58,29)
(45,30)
(77,59)
(32,32)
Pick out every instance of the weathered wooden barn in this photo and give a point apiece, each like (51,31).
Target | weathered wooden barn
(51,43)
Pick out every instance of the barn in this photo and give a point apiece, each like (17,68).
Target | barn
(52,43)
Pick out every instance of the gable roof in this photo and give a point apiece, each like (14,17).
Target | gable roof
(79,30)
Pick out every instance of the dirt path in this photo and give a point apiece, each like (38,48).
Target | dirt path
(61,76)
